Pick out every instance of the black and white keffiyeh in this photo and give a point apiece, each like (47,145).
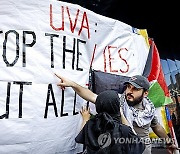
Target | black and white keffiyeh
(140,117)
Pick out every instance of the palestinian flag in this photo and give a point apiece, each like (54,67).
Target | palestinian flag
(158,92)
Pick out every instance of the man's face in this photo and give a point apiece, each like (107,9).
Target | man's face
(134,95)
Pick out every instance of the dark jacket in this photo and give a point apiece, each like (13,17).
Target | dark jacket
(104,133)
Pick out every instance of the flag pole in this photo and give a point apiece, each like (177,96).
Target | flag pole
(173,135)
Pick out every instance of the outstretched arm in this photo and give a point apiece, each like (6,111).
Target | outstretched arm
(161,133)
(81,91)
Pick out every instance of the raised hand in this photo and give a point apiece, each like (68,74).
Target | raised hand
(85,112)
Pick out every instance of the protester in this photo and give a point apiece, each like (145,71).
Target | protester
(104,133)
(173,118)
(141,111)
(137,108)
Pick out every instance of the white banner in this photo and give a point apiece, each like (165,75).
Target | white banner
(39,38)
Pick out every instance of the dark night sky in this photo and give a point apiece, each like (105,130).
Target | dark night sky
(161,22)
(160,19)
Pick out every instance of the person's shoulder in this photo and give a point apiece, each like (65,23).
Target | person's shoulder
(148,101)
(119,94)
(125,127)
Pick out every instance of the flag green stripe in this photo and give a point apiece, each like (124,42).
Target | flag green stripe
(157,96)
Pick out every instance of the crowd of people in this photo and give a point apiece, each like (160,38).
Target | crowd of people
(119,116)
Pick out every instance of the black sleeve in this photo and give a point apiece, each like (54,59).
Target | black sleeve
(80,138)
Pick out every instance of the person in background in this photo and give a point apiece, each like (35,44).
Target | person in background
(102,132)
(137,108)
(173,118)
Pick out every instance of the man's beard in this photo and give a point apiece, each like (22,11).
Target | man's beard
(136,100)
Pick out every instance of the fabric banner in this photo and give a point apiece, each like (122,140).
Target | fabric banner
(39,38)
